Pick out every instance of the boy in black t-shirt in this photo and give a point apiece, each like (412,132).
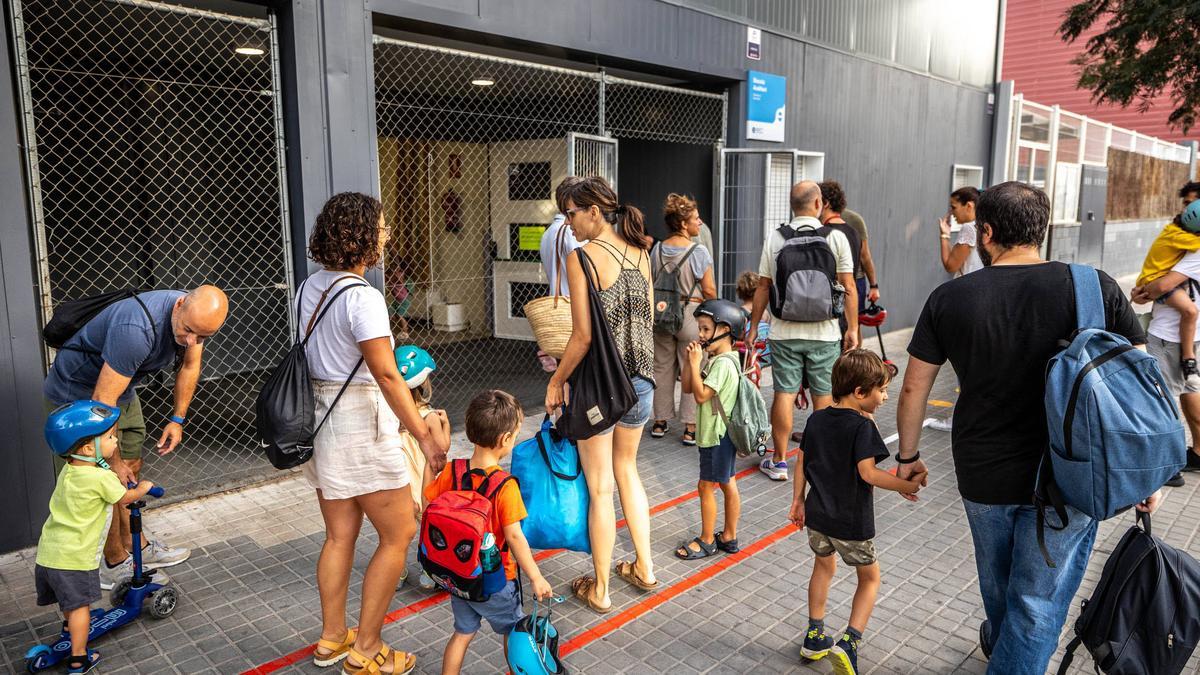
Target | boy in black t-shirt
(837,460)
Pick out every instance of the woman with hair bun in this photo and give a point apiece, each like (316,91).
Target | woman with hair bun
(616,246)
(696,284)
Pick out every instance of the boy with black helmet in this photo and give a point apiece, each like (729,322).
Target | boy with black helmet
(84,434)
(721,323)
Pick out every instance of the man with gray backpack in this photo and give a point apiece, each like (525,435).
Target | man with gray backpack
(807,278)
(1001,327)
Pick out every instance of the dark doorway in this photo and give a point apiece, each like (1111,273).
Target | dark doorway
(647,171)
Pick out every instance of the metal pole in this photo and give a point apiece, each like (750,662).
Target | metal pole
(600,103)
(281,152)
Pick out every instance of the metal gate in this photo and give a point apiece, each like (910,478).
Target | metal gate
(154,144)
(592,156)
(470,150)
(755,187)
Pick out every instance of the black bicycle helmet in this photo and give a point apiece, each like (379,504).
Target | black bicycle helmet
(724,312)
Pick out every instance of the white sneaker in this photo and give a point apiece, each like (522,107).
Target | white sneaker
(941,425)
(774,470)
(425,582)
(111,576)
(157,554)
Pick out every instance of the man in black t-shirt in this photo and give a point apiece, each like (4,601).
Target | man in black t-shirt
(999,327)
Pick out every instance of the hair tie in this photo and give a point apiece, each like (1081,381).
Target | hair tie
(622,209)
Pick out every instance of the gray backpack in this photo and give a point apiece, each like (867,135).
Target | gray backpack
(669,299)
(748,424)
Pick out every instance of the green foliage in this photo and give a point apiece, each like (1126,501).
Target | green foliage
(1146,47)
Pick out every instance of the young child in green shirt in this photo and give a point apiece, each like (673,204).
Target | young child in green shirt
(84,434)
(721,323)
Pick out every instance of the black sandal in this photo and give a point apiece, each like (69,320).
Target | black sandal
(705,551)
(730,546)
(659,429)
(689,437)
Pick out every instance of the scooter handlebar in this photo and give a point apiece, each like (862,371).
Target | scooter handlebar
(155,491)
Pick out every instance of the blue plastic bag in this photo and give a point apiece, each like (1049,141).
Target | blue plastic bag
(555,492)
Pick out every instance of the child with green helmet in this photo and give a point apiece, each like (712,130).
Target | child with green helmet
(416,367)
(84,434)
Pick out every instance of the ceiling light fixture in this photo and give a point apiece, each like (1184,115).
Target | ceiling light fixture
(250,51)
(483,82)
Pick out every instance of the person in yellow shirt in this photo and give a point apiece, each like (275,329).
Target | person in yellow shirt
(1179,237)
(84,434)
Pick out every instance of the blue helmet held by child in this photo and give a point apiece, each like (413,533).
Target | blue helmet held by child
(71,423)
(1190,218)
(415,365)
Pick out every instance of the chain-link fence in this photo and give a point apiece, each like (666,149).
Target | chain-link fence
(470,149)
(155,148)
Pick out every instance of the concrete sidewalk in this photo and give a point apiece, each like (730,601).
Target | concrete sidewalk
(249,597)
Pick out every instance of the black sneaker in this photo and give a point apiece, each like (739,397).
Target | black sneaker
(816,645)
(844,656)
(1193,461)
(985,639)
(1191,374)
(1175,481)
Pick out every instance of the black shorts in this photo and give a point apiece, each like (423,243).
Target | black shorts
(716,463)
(71,589)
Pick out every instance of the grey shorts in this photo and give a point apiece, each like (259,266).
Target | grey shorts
(1168,355)
(502,611)
(71,589)
(791,360)
(854,553)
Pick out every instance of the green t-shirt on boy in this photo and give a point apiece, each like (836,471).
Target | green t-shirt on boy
(78,507)
(722,377)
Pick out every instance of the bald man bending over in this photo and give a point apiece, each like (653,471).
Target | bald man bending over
(106,359)
(802,348)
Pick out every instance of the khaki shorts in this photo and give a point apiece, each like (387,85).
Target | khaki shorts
(131,426)
(854,553)
(792,360)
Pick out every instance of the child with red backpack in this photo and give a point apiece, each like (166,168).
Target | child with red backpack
(471,530)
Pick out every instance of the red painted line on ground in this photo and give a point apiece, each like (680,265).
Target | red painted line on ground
(440,597)
(609,625)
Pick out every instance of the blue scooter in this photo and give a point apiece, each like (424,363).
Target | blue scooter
(127,600)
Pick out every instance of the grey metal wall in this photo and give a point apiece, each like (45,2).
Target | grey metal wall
(891,135)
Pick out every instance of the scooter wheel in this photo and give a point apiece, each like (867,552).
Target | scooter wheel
(37,658)
(117,595)
(163,603)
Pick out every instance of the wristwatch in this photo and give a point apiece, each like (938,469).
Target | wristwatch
(945,236)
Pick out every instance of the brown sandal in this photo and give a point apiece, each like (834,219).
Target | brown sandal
(581,588)
(402,662)
(627,571)
(336,651)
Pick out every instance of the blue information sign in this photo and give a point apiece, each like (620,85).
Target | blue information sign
(765,104)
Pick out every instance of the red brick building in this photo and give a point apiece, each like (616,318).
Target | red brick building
(1039,63)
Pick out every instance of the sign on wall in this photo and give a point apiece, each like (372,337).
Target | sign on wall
(766,97)
(753,43)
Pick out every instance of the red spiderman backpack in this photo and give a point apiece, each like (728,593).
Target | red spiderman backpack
(453,528)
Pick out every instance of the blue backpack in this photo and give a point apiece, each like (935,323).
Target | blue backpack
(1115,432)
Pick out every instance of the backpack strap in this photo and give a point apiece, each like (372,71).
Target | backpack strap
(317,314)
(1089,303)
(1069,655)
(716,399)
(1046,495)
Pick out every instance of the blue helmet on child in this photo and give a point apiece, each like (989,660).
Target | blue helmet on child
(415,365)
(1190,218)
(73,422)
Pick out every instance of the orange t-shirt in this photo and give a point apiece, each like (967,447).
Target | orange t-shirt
(507,507)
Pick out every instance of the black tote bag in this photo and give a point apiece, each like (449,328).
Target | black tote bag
(600,391)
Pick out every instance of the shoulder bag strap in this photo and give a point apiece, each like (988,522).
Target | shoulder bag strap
(585,262)
(312,324)
(299,298)
(716,399)
(560,271)
(316,318)
(541,442)
(153,327)
(312,320)
(1089,302)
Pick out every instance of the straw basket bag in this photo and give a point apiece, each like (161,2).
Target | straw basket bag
(550,316)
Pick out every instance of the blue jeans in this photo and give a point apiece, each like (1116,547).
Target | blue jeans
(1026,601)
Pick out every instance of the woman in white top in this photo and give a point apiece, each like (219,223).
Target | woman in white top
(358,466)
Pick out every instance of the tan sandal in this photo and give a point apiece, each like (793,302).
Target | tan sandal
(581,588)
(628,571)
(335,651)
(402,662)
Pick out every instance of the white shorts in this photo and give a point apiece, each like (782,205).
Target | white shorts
(359,450)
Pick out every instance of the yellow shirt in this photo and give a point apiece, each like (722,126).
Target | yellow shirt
(71,535)
(1168,249)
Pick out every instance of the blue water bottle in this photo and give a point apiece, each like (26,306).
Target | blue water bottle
(493,571)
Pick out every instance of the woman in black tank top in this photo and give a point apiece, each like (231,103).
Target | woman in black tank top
(617,246)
